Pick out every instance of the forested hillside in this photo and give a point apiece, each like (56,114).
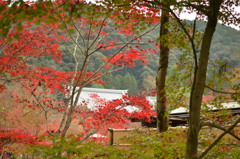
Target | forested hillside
(225,48)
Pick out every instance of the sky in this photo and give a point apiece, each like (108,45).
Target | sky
(193,16)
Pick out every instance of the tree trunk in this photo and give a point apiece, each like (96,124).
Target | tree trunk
(73,104)
(162,117)
(199,81)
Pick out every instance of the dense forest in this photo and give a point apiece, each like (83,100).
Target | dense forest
(225,48)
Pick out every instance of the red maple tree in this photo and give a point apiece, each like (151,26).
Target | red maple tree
(82,35)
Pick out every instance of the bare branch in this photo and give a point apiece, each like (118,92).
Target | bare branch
(218,127)
(100,30)
(65,45)
(130,43)
(223,92)
(193,50)
(40,104)
(75,48)
(103,74)
(188,35)
(123,47)
(76,43)
(71,37)
(88,36)
(79,32)
(219,138)
(88,135)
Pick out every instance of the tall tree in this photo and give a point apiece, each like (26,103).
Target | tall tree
(200,79)
(213,10)
(162,116)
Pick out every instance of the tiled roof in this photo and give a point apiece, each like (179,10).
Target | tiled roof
(100,90)
(107,94)
(226,105)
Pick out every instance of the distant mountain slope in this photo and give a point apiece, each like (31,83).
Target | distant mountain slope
(225,46)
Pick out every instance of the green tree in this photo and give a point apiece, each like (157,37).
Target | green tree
(117,82)
(211,10)
(108,80)
(96,85)
(134,88)
(129,82)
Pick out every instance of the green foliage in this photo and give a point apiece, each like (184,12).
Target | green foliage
(222,78)
(147,143)
(70,147)
(178,86)
(96,85)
